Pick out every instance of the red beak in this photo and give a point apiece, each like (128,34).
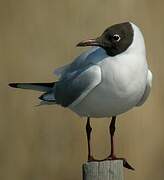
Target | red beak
(89,42)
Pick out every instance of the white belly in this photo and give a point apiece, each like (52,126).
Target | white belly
(121,89)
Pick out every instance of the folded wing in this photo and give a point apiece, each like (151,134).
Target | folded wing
(73,88)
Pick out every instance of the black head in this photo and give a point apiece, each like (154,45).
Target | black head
(115,39)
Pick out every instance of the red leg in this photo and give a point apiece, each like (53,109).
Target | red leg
(112,130)
(88,131)
(112,153)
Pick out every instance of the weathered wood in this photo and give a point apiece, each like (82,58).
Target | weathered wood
(103,170)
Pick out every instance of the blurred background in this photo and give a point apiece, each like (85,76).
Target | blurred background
(49,142)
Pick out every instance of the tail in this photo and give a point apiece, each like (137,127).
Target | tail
(48,88)
(43,87)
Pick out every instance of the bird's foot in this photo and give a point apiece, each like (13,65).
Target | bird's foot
(125,163)
(112,157)
(91,158)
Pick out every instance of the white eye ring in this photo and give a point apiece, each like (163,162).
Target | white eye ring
(116,37)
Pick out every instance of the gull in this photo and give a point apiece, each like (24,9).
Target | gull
(109,79)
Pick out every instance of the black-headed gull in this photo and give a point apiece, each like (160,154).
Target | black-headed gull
(105,81)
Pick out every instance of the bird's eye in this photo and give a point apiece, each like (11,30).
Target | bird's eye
(116,37)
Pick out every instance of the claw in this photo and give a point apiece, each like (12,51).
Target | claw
(91,158)
(127,165)
(110,158)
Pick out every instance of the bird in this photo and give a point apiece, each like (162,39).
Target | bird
(108,79)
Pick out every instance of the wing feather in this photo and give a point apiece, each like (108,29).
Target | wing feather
(73,89)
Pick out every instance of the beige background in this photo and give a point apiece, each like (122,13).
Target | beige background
(49,142)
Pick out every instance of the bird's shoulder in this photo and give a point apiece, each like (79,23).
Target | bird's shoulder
(91,56)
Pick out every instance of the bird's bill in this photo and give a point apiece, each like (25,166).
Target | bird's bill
(89,42)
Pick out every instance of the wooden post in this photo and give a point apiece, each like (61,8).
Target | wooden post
(103,170)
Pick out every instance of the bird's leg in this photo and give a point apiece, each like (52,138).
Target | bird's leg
(112,153)
(88,131)
(112,130)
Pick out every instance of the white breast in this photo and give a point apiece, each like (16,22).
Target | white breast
(122,87)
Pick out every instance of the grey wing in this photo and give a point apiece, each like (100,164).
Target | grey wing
(147,89)
(61,70)
(76,86)
(93,55)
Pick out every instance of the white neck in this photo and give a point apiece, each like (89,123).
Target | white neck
(138,44)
